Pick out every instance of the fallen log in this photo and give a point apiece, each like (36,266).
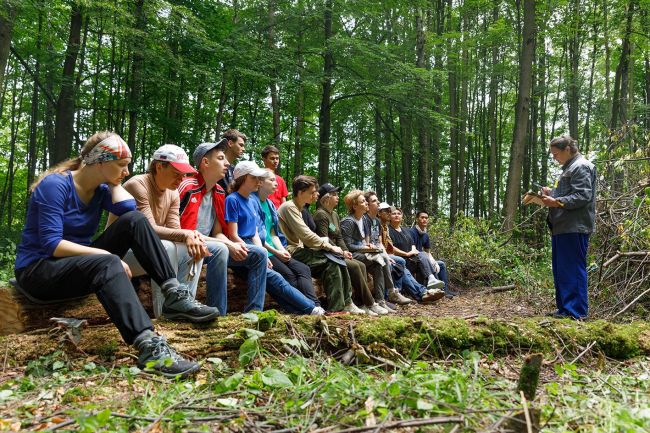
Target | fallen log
(496,289)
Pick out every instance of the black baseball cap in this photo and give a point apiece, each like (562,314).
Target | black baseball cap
(326,188)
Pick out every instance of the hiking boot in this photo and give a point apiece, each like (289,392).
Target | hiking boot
(432,296)
(180,305)
(378,309)
(399,299)
(353,309)
(156,356)
(451,293)
(388,307)
(434,283)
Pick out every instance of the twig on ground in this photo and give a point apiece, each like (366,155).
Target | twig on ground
(583,352)
(631,304)
(404,423)
(496,289)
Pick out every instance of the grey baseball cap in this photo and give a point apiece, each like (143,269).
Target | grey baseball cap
(204,148)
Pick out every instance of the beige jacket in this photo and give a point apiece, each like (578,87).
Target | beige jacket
(160,207)
(296,231)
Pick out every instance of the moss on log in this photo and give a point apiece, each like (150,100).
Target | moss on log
(383,337)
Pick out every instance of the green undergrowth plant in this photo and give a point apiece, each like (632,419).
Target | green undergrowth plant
(478,256)
(294,393)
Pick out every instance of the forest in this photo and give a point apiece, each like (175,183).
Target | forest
(442,105)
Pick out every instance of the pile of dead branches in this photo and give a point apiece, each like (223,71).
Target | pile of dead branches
(619,275)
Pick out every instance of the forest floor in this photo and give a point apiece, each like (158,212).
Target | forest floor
(449,366)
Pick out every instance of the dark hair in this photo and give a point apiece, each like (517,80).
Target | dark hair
(233,135)
(269,149)
(237,183)
(302,183)
(420,212)
(563,141)
(369,194)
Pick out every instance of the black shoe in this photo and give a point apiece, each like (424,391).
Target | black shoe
(556,315)
(180,305)
(156,356)
(451,293)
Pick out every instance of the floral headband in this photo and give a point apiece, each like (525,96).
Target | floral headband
(109,149)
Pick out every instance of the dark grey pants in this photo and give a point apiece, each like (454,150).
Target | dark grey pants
(69,277)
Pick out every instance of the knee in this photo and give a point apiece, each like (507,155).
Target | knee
(109,265)
(133,217)
(257,253)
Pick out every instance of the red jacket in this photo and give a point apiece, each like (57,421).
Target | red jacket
(191,192)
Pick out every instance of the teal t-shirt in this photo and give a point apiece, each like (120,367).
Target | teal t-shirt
(268,223)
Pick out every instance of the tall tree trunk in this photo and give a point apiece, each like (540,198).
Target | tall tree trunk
(65,107)
(572,76)
(100,39)
(437,108)
(620,88)
(453,114)
(590,91)
(275,105)
(379,144)
(137,59)
(406,134)
(7,17)
(33,123)
(462,146)
(324,117)
(492,118)
(388,158)
(522,109)
(423,192)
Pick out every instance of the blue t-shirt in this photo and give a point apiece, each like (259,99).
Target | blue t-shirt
(56,213)
(421,240)
(240,210)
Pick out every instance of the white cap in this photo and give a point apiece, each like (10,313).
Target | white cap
(175,156)
(248,167)
(383,205)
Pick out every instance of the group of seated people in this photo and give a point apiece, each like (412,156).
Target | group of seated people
(177,217)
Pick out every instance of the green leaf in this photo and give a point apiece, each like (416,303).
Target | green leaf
(275,378)
(249,350)
(58,365)
(252,333)
(251,317)
(394,389)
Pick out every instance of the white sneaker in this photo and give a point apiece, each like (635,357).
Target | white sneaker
(317,311)
(378,309)
(368,311)
(434,283)
(353,309)
(383,305)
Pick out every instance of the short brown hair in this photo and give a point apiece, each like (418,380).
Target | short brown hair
(303,183)
(269,149)
(233,135)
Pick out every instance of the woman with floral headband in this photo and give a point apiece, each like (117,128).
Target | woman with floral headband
(57,258)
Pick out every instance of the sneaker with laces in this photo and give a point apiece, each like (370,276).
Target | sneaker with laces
(353,309)
(317,311)
(399,299)
(383,304)
(434,283)
(378,309)
(368,311)
(432,295)
(180,305)
(156,356)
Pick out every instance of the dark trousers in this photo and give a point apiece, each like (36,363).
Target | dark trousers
(569,258)
(69,277)
(298,275)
